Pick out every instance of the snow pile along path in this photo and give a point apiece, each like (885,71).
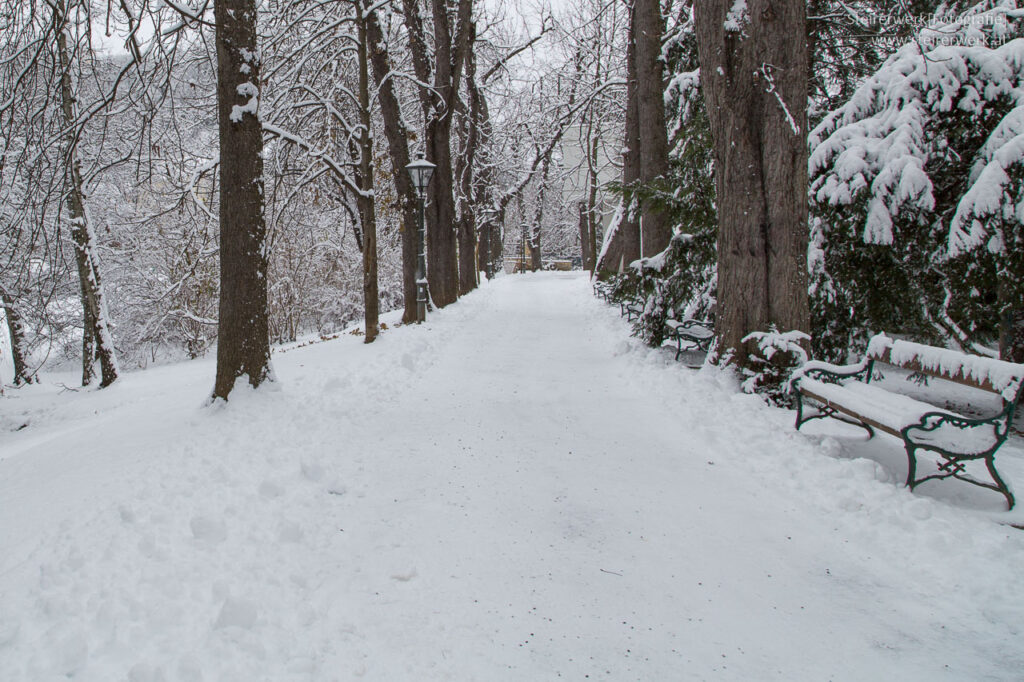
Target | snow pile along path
(516,490)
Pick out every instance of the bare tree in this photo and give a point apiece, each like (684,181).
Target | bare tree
(366,202)
(398,150)
(622,241)
(97,343)
(243,347)
(649,28)
(439,102)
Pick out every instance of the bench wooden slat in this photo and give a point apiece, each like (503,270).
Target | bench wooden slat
(967,365)
(838,407)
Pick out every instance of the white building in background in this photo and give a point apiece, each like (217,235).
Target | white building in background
(609,169)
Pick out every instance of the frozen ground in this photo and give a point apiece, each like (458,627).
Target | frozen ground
(514,491)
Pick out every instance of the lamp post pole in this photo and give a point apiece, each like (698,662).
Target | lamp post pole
(420,171)
(421,263)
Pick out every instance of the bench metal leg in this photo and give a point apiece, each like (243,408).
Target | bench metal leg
(911,465)
(990,462)
(952,468)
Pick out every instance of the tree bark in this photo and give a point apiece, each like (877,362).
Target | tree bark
(468,266)
(367,208)
(398,150)
(754,76)
(536,261)
(649,26)
(489,233)
(484,249)
(584,235)
(97,341)
(19,352)
(243,347)
(438,104)
(624,235)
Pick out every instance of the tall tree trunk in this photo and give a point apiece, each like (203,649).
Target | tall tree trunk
(442,263)
(484,248)
(398,150)
(656,228)
(468,266)
(367,208)
(19,353)
(536,261)
(754,76)
(584,235)
(593,218)
(622,243)
(438,104)
(243,347)
(489,233)
(97,341)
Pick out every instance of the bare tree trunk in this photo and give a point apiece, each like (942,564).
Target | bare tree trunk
(484,249)
(442,263)
(438,103)
(584,235)
(489,232)
(449,58)
(367,208)
(468,267)
(398,150)
(656,229)
(623,245)
(22,373)
(754,76)
(243,347)
(97,342)
(590,263)
(536,262)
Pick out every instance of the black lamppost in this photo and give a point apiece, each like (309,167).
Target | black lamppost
(421,170)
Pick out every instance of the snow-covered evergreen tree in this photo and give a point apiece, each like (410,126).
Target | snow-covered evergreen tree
(909,180)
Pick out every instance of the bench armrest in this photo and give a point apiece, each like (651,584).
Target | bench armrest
(828,373)
(929,432)
(688,324)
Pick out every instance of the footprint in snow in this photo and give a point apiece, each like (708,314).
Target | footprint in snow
(405,576)
(313,471)
(270,489)
(235,612)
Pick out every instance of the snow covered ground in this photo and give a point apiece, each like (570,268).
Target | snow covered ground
(516,490)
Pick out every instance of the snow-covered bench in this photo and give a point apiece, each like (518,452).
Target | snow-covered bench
(695,334)
(845,393)
(631,308)
(602,289)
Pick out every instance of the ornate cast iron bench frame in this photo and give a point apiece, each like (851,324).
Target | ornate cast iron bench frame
(697,334)
(951,464)
(602,290)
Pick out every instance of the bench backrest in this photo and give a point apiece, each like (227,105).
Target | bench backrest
(976,371)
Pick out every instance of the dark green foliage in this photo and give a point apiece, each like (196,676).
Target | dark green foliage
(769,371)
(908,286)
(677,284)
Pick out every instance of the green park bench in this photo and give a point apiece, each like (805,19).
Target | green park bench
(847,394)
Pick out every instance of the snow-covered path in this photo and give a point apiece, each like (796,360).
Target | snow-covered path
(514,491)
